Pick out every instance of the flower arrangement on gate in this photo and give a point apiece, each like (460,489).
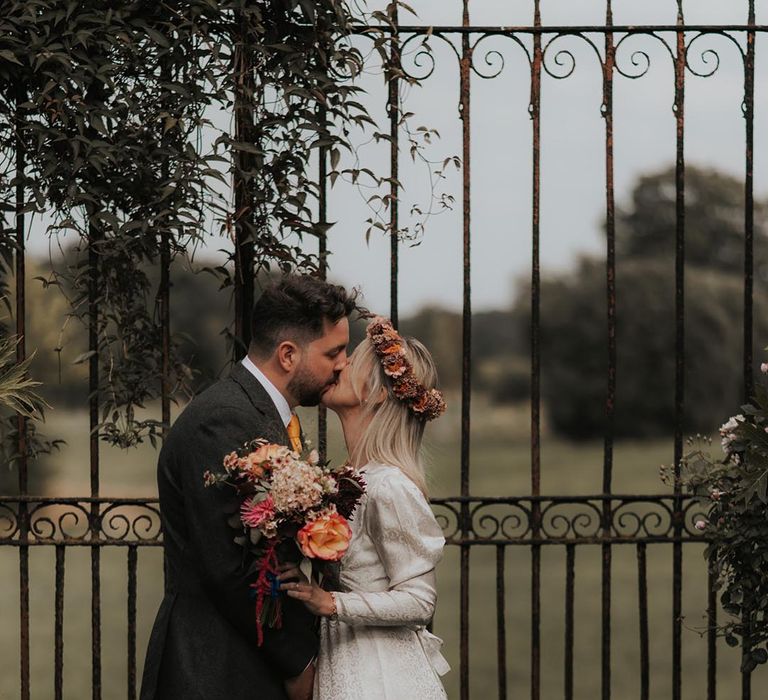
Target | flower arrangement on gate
(283,497)
(734,490)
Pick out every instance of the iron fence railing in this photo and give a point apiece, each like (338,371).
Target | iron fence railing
(534,521)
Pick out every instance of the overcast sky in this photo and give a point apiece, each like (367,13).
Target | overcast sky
(572,146)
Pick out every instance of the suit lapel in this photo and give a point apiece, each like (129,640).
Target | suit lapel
(260,400)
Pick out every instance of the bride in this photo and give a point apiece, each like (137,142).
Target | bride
(374,644)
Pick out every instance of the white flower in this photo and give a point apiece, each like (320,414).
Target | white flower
(700,525)
(731,424)
(296,486)
(764,368)
(313,457)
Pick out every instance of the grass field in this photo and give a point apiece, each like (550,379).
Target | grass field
(500,459)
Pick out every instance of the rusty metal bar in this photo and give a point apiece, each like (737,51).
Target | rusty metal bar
(749,235)
(622,498)
(677,552)
(21,421)
(453,541)
(243,188)
(96,622)
(58,636)
(466,346)
(165,329)
(94,237)
(570,567)
(132,566)
(501,624)
(393,108)
(642,597)
(711,635)
(748,108)
(610,398)
(746,676)
(535,114)
(322,262)
(567,29)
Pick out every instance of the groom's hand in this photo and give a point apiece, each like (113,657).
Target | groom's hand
(300,688)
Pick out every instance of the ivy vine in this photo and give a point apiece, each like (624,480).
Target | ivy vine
(105,121)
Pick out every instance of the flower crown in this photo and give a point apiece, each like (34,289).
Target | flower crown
(389,346)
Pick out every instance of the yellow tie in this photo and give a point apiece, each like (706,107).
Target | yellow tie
(294,432)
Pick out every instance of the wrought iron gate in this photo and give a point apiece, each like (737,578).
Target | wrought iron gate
(533,522)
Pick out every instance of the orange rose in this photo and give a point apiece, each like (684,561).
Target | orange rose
(261,459)
(326,538)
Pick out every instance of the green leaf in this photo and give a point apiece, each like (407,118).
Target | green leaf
(10,56)
(84,357)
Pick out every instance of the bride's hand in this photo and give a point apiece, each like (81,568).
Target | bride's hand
(296,585)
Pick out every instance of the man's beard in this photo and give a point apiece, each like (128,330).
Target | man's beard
(306,389)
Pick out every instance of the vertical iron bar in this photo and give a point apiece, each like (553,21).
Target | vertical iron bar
(749,230)
(642,595)
(677,551)
(748,108)
(322,261)
(464,111)
(165,326)
(570,561)
(711,633)
(21,421)
(58,636)
(132,563)
(501,624)
(393,107)
(164,295)
(610,399)
(243,186)
(746,676)
(535,114)
(93,383)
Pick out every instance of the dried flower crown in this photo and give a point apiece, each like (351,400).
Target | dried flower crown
(390,349)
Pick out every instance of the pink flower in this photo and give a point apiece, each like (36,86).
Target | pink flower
(700,525)
(254,513)
(764,368)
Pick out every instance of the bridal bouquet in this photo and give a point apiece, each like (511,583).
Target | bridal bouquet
(286,497)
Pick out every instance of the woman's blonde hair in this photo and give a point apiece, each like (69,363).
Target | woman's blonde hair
(394,433)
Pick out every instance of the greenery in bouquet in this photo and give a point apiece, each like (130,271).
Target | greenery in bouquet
(285,496)
(734,490)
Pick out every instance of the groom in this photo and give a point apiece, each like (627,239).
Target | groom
(203,645)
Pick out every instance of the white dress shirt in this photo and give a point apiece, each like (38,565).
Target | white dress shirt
(274,393)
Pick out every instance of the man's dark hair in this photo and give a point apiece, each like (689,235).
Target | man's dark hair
(295,307)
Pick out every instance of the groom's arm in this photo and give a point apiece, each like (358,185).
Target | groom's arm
(219,559)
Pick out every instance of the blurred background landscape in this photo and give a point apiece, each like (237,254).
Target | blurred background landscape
(573,384)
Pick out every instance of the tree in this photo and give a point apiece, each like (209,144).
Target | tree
(575,359)
(714,221)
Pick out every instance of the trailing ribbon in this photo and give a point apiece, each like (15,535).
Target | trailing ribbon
(267,587)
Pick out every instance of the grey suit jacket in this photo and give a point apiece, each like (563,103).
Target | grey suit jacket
(203,644)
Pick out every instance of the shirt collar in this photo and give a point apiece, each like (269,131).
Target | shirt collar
(274,393)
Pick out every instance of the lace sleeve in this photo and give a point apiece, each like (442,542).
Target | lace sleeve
(409,543)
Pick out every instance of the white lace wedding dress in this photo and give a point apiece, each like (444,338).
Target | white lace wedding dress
(379,648)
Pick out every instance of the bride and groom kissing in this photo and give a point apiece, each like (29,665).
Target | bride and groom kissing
(363,638)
